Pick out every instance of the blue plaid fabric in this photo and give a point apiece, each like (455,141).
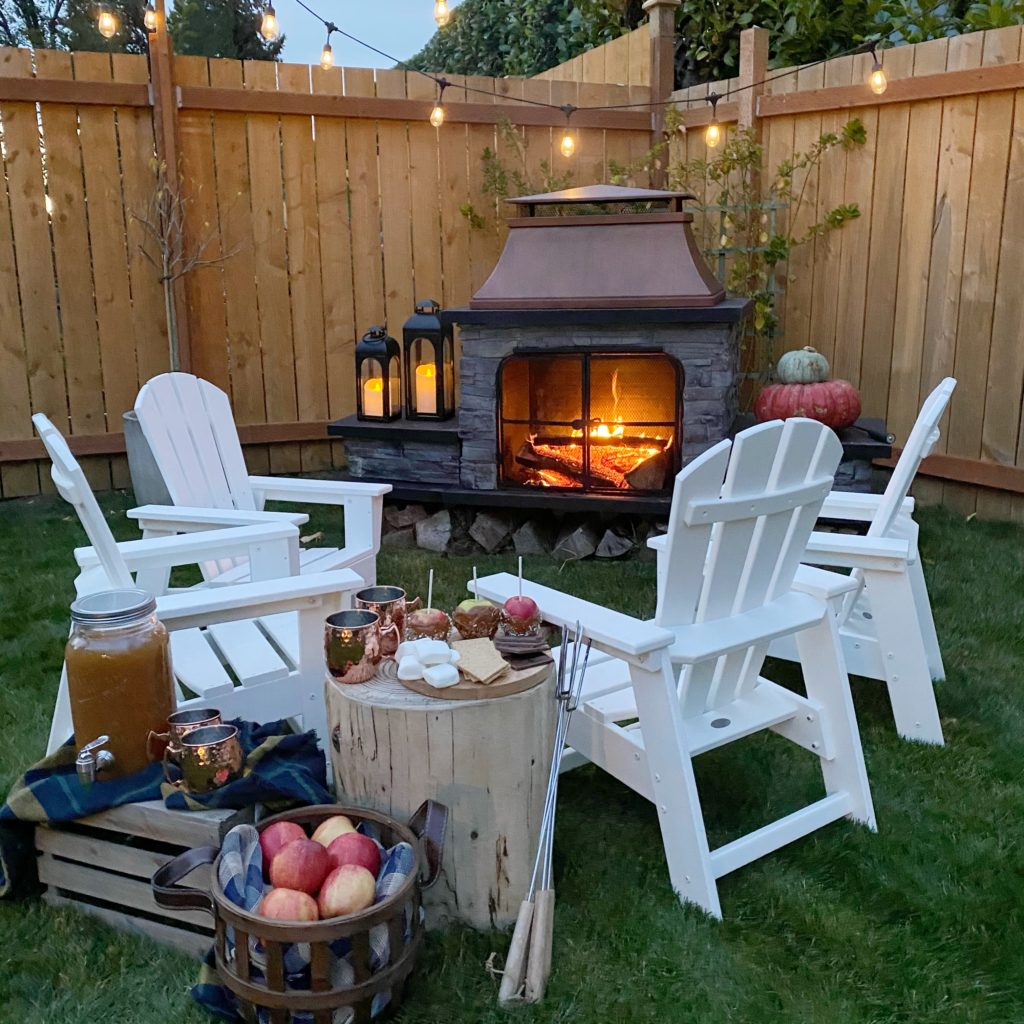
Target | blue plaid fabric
(240,874)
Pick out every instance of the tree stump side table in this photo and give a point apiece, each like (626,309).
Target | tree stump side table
(486,760)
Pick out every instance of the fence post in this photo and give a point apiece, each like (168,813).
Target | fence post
(662,23)
(164,98)
(753,69)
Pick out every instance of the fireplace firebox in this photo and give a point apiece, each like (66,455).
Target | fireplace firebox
(591,421)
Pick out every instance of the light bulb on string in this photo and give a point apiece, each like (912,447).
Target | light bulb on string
(713,133)
(106,23)
(437,114)
(567,146)
(150,18)
(877,80)
(327,53)
(442,15)
(268,26)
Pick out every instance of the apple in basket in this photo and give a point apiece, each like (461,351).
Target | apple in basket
(355,848)
(330,828)
(288,905)
(348,890)
(302,864)
(273,837)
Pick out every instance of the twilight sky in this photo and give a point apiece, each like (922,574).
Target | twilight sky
(399,27)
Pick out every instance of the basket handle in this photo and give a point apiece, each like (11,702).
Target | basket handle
(430,823)
(168,893)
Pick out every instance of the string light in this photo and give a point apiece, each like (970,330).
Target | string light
(442,15)
(327,54)
(106,23)
(268,26)
(151,19)
(437,114)
(713,133)
(568,143)
(877,80)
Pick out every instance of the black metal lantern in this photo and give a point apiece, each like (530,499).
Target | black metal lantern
(378,376)
(429,365)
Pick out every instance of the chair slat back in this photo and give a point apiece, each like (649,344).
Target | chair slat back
(919,445)
(190,429)
(744,512)
(73,487)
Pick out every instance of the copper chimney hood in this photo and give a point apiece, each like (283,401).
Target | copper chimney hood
(600,247)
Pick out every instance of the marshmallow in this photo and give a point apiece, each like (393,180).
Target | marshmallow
(441,676)
(405,649)
(410,668)
(433,652)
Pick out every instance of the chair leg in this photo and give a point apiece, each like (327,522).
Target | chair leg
(310,679)
(827,683)
(904,656)
(924,616)
(675,789)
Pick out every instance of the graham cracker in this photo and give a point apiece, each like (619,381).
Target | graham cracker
(479,660)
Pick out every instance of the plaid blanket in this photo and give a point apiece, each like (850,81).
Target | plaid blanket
(240,874)
(281,768)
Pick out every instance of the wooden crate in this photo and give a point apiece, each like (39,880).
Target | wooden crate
(102,865)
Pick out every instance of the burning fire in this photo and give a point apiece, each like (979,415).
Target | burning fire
(613,457)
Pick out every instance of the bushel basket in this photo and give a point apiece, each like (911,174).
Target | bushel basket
(257,971)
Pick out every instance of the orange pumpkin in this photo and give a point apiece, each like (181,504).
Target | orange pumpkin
(835,403)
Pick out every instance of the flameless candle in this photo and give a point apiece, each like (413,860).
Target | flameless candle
(373,397)
(426,388)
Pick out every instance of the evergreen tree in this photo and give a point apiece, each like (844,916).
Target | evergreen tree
(221,28)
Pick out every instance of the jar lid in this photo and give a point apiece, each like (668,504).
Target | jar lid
(113,607)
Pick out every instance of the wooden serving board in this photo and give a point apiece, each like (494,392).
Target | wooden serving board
(513,681)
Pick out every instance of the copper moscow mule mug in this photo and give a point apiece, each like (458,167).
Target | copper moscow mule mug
(352,644)
(166,746)
(391,604)
(211,757)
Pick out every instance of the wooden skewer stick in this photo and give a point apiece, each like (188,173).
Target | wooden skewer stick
(476,592)
(430,589)
(520,575)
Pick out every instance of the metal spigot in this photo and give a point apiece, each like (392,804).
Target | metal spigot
(91,759)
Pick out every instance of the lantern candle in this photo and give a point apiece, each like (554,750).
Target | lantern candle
(426,388)
(373,397)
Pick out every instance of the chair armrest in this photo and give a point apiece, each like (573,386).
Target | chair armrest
(858,507)
(250,600)
(619,634)
(278,541)
(314,492)
(182,519)
(888,554)
(822,584)
(658,543)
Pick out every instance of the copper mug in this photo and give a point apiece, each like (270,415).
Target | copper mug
(210,757)
(391,604)
(166,746)
(352,644)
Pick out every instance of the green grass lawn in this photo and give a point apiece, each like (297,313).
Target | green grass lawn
(920,923)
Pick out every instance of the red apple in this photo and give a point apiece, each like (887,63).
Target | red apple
(288,905)
(301,864)
(520,607)
(347,890)
(355,848)
(273,837)
(330,828)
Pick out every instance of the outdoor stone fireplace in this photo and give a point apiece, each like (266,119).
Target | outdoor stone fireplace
(598,359)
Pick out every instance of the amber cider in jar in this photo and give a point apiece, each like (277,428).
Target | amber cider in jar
(120,681)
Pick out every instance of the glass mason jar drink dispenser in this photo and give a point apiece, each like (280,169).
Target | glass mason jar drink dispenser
(120,682)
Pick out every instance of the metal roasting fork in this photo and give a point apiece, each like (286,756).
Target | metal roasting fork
(529,955)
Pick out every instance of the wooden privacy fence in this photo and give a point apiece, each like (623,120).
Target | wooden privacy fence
(337,201)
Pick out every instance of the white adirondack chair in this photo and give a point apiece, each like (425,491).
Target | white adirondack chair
(254,649)
(738,527)
(886,624)
(190,429)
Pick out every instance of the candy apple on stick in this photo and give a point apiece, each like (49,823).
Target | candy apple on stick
(521,613)
(476,617)
(430,621)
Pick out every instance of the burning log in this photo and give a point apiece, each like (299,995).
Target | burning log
(626,464)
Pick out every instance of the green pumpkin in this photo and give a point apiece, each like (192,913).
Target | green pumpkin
(803,366)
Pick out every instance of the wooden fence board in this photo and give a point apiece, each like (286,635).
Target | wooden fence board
(455,230)
(70,229)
